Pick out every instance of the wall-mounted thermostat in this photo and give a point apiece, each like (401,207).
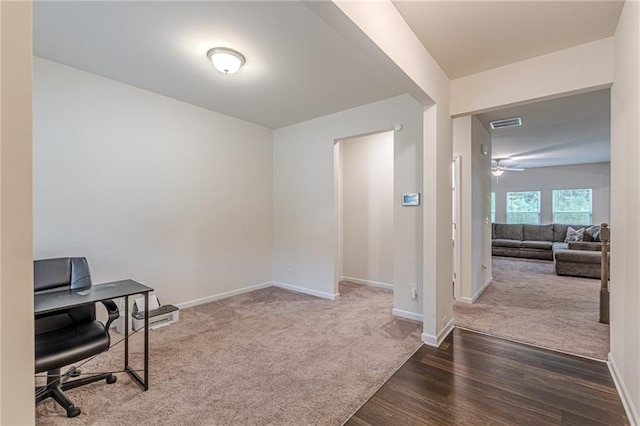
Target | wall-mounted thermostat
(412,199)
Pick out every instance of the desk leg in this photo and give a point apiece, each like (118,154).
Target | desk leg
(144,383)
(146,341)
(126,332)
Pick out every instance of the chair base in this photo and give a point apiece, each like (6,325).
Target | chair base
(57,384)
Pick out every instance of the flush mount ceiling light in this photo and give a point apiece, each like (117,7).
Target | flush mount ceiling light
(508,122)
(225,60)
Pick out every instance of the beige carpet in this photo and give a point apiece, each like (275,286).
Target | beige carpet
(269,357)
(527,302)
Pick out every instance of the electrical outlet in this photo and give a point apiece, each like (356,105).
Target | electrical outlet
(290,267)
(414,293)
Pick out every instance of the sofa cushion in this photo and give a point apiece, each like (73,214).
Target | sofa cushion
(538,232)
(509,231)
(506,243)
(493,231)
(560,246)
(506,251)
(578,256)
(574,234)
(540,245)
(560,231)
(592,233)
(584,245)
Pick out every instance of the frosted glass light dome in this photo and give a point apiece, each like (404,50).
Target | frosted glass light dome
(225,60)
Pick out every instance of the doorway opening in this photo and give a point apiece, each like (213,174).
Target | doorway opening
(529,211)
(364,191)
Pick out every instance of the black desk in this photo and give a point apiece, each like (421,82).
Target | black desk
(46,302)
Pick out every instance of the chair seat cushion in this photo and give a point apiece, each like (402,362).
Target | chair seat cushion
(540,245)
(499,242)
(58,348)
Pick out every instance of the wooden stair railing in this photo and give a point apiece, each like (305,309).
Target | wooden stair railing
(605,234)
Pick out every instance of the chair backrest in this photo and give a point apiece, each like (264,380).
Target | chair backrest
(65,273)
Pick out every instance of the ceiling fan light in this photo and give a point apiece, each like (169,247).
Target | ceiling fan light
(497,171)
(225,60)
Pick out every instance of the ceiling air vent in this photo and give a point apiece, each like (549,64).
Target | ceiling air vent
(507,122)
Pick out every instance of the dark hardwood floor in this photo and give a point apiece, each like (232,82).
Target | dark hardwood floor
(474,379)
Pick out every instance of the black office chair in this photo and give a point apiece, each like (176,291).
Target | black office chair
(68,336)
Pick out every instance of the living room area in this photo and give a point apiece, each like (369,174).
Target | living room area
(545,192)
(200,205)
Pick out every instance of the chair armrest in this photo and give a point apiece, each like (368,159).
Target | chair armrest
(112,310)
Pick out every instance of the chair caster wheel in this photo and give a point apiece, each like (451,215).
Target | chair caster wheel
(73,411)
(112,379)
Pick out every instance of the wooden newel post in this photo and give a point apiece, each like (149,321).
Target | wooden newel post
(605,234)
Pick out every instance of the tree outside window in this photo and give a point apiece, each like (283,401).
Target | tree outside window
(572,206)
(523,207)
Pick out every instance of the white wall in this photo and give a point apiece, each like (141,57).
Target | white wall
(383,24)
(546,179)
(16,262)
(586,68)
(625,204)
(303,199)
(474,229)
(573,70)
(367,185)
(149,188)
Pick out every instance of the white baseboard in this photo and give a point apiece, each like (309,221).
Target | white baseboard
(481,290)
(627,402)
(478,293)
(406,314)
(224,295)
(436,341)
(367,282)
(322,294)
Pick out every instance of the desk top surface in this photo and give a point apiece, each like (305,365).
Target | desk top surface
(65,299)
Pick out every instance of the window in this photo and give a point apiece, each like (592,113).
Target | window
(572,206)
(493,207)
(523,207)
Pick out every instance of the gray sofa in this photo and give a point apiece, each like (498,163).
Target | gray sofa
(547,242)
(580,259)
(528,241)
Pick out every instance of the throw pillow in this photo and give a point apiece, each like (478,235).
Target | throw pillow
(574,234)
(592,233)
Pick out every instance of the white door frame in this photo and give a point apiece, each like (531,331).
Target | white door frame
(456,178)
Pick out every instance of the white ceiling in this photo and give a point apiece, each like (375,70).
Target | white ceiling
(306,60)
(466,37)
(298,67)
(565,131)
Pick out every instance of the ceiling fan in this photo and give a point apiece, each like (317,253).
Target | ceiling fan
(497,168)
